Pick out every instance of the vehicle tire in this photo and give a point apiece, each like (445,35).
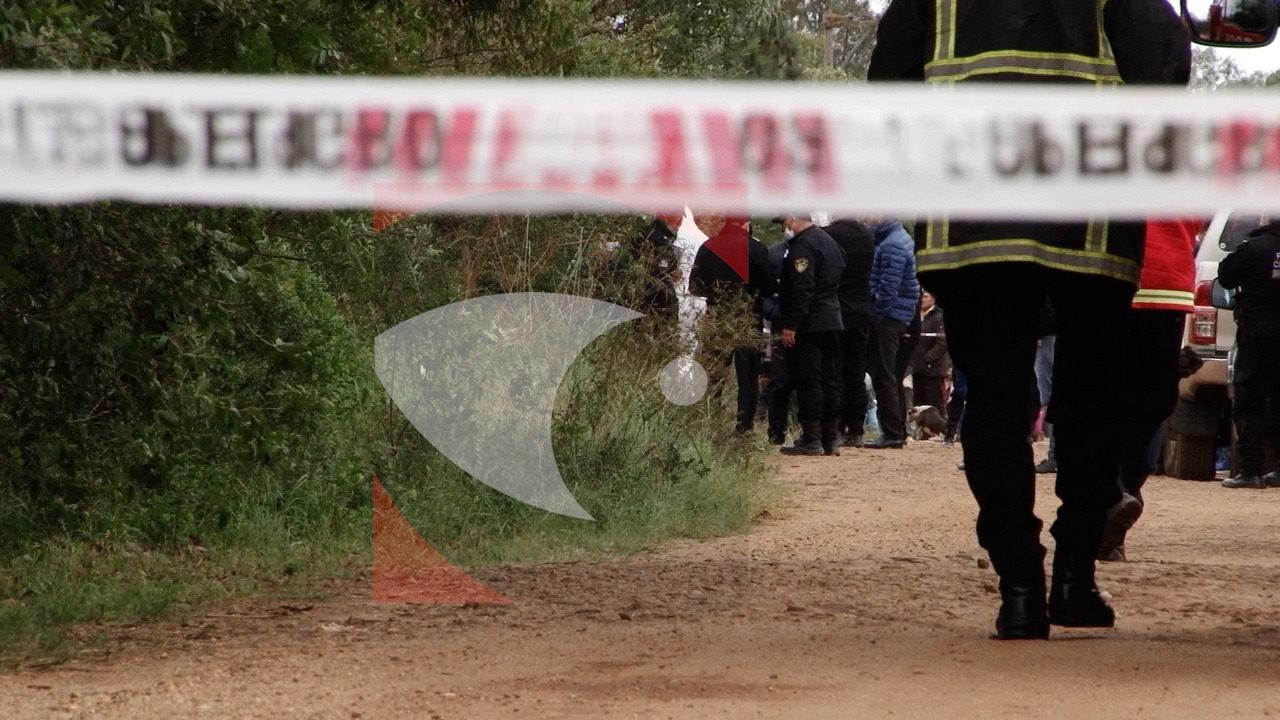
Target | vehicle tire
(1201,416)
(1190,457)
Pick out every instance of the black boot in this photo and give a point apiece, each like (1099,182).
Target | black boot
(1074,600)
(809,442)
(831,439)
(1022,611)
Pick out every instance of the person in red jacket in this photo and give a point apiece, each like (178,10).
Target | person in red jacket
(1165,295)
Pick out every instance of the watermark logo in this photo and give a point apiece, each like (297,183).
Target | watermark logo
(478,380)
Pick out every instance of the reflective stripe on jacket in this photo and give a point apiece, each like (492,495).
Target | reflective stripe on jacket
(1100,42)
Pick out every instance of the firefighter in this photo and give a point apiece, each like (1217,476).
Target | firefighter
(991,279)
(1151,364)
(1255,269)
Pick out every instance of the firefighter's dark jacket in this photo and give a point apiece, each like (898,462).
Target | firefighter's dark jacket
(1255,269)
(1099,42)
(811,274)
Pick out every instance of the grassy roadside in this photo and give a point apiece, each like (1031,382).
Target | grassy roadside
(649,471)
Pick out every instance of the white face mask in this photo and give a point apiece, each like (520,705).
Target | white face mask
(788,233)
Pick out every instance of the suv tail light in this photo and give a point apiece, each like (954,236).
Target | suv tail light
(1204,321)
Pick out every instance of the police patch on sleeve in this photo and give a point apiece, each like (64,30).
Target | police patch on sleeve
(800,264)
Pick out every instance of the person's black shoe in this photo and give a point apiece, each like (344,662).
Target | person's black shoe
(831,446)
(1048,466)
(1022,613)
(1120,517)
(1272,479)
(804,447)
(1074,600)
(777,439)
(852,441)
(883,444)
(1254,482)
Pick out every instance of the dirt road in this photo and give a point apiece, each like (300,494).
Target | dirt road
(863,598)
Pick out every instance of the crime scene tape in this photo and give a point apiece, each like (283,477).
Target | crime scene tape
(539,145)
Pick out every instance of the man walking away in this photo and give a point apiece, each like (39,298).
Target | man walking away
(1151,354)
(992,278)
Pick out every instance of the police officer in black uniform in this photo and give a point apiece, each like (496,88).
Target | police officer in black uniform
(1255,269)
(811,329)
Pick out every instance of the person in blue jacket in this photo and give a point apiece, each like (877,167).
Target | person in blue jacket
(895,294)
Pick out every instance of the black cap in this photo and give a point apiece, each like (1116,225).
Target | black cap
(777,220)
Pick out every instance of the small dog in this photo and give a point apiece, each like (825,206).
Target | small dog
(927,420)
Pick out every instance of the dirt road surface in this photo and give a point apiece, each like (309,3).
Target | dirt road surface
(863,597)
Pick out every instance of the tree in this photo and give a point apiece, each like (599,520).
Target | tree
(853,42)
(1211,70)
(160,364)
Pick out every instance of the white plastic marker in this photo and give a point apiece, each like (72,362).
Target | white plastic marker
(478,145)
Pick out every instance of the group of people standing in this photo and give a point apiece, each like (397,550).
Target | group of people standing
(868,270)
(847,304)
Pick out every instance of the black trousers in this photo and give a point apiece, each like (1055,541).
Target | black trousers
(882,360)
(992,315)
(815,371)
(780,389)
(746,366)
(1150,389)
(1256,380)
(854,400)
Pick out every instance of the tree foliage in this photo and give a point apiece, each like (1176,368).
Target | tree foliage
(164,368)
(851,44)
(1212,70)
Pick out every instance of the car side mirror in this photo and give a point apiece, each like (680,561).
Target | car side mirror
(1222,298)
(1231,23)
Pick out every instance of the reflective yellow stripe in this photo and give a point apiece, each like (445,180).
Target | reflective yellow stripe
(1025,250)
(1095,236)
(947,36)
(1022,62)
(1180,298)
(943,38)
(1104,45)
(946,67)
(938,230)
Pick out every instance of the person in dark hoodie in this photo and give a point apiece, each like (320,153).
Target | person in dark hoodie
(859,245)
(895,295)
(811,327)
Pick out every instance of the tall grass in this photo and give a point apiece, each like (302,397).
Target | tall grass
(259,467)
